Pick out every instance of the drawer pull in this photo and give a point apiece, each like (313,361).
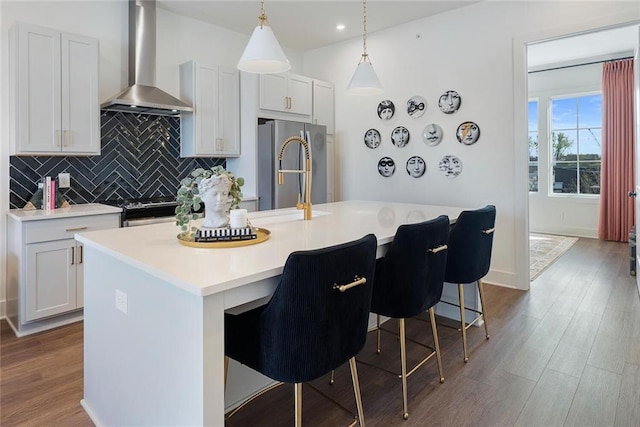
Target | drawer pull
(76,228)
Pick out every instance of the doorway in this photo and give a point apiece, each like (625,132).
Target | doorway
(564,80)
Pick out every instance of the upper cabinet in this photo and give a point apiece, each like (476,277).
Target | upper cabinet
(54,92)
(286,93)
(323,110)
(213,129)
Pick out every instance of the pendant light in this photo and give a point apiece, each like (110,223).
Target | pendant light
(364,80)
(263,53)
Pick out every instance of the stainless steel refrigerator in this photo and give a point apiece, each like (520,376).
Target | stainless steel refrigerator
(271,135)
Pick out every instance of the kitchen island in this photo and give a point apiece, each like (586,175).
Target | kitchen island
(154,309)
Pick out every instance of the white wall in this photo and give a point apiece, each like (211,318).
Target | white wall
(470,50)
(179,40)
(548,212)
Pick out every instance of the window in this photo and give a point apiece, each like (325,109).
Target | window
(533,146)
(576,150)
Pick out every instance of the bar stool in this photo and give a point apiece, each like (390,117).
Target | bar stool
(408,282)
(316,320)
(468,261)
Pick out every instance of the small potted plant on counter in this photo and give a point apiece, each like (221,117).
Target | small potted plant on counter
(209,183)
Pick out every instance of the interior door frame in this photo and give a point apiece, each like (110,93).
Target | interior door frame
(636,116)
(520,99)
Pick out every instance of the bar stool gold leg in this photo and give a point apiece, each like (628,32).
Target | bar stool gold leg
(403,363)
(378,333)
(332,377)
(226,370)
(484,317)
(356,390)
(463,323)
(436,341)
(297,393)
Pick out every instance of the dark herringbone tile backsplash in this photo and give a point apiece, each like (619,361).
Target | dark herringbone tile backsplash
(140,158)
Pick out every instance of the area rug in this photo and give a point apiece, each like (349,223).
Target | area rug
(545,249)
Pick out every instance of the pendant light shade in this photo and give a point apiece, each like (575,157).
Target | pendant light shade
(263,53)
(364,80)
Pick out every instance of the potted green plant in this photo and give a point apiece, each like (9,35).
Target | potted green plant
(189,200)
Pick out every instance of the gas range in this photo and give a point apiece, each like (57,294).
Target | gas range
(144,211)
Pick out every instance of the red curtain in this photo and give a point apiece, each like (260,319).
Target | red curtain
(617,210)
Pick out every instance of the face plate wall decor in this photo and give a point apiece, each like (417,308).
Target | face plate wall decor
(468,133)
(386,109)
(449,102)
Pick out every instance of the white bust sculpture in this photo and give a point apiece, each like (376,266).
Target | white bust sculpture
(214,192)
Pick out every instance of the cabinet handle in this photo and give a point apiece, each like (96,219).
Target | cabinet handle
(73,255)
(81,254)
(67,141)
(76,228)
(290,103)
(58,136)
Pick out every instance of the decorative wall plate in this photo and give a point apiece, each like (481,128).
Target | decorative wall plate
(372,138)
(432,134)
(386,109)
(386,167)
(449,102)
(450,166)
(416,106)
(416,166)
(468,133)
(400,136)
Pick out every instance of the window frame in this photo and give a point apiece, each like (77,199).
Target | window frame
(537,131)
(550,130)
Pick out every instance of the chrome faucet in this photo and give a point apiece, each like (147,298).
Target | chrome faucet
(306,206)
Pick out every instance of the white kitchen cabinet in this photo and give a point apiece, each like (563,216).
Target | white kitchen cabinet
(45,281)
(323,104)
(286,93)
(213,128)
(54,92)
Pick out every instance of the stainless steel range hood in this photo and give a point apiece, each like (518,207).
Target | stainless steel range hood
(142,95)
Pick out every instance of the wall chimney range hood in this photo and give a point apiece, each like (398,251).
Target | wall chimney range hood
(142,95)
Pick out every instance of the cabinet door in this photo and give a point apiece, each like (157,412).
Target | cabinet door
(229,112)
(273,92)
(206,110)
(323,105)
(50,278)
(38,128)
(300,94)
(80,105)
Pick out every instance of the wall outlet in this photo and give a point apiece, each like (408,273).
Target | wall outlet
(64,180)
(121,301)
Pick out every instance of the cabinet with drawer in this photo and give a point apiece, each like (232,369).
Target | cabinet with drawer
(45,286)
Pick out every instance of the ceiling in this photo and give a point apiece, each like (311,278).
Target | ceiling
(595,46)
(308,24)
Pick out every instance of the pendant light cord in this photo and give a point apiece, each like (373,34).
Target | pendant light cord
(262,17)
(364,33)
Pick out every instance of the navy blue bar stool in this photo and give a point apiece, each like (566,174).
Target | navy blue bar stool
(316,320)
(408,282)
(468,261)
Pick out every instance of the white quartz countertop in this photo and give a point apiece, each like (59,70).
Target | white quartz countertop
(155,248)
(71,211)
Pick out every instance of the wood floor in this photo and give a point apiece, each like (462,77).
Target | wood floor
(566,353)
